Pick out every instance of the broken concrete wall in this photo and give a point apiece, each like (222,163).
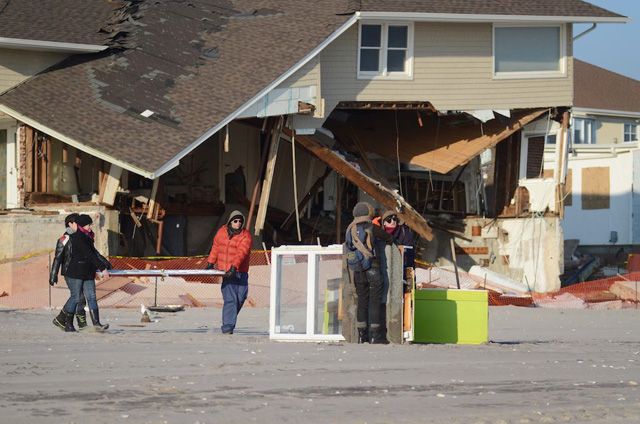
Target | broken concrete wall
(527,250)
(27,241)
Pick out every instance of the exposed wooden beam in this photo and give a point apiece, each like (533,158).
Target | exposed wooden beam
(111,185)
(268,177)
(385,196)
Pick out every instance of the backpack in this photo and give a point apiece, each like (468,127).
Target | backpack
(357,260)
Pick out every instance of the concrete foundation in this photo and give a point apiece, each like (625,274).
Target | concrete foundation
(528,250)
(27,240)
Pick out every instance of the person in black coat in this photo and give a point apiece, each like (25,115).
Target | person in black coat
(60,262)
(80,272)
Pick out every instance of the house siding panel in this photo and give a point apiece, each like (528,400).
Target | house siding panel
(18,65)
(452,69)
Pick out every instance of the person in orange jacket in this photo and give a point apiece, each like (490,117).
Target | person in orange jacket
(230,253)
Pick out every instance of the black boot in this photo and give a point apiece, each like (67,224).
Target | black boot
(95,318)
(61,320)
(377,336)
(68,327)
(363,335)
(81,317)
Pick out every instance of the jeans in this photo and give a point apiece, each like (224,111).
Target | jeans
(234,293)
(78,288)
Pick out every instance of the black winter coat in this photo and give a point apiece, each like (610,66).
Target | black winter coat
(84,259)
(61,258)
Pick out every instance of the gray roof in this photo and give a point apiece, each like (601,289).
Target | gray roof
(193,63)
(67,21)
(576,8)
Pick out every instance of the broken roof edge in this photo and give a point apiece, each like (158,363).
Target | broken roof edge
(71,142)
(461,17)
(209,133)
(54,46)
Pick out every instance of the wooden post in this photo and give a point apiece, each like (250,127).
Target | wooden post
(268,178)
(562,167)
(260,176)
(160,235)
(338,209)
(152,199)
(455,262)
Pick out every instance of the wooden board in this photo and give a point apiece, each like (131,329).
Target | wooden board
(348,303)
(595,188)
(395,297)
(111,185)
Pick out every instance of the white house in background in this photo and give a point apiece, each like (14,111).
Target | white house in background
(602,203)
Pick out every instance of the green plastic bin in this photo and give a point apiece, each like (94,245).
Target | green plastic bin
(451,316)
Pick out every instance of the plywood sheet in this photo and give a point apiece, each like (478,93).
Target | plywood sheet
(595,188)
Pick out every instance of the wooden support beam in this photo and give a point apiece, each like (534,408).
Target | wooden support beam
(263,165)
(373,188)
(111,185)
(268,177)
(152,199)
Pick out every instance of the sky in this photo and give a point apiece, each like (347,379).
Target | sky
(612,46)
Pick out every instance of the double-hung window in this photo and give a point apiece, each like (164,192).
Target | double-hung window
(529,51)
(385,51)
(584,131)
(630,133)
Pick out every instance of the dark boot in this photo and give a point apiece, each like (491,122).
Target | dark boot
(95,318)
(363,335)
(377,336)
(81,317)
(68,327)
(61,320)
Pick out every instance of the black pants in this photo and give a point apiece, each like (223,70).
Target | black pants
(369,290)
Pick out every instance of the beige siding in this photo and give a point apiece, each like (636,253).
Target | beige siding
(610,130)
(18,65)
(308,75)
(452,69)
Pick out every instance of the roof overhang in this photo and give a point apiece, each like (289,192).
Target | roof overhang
(74,143)
(50,46)
(456,17)
(605,112)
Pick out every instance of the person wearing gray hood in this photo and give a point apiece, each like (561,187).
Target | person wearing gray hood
(230,252)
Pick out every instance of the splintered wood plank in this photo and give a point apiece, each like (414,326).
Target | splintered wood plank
(370,186)
(152,199)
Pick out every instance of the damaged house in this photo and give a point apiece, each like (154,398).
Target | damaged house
(168,113)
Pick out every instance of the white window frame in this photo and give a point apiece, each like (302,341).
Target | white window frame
(312,253)
(382,72)
(624,132)
(561,73)
(592,133)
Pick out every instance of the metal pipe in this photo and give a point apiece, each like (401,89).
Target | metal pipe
(585,32)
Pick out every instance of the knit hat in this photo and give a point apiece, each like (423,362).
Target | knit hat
(72,217)
(362,209)
(84,220)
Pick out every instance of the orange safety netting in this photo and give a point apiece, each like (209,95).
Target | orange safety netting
(589,291)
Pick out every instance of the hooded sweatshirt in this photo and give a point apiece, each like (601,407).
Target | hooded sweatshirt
(231,248)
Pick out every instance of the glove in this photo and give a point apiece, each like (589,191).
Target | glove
(231,272)
(53,282)
(209,266)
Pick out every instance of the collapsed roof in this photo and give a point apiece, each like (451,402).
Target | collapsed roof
(176,71)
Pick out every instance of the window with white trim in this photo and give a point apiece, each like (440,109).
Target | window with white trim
(385,50)
(584,131)
(630,133)
(529,51)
